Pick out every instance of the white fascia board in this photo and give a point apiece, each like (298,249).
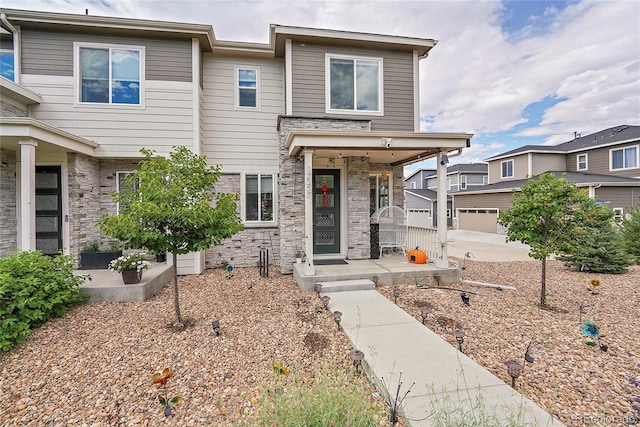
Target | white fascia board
(26,127)
(19,93)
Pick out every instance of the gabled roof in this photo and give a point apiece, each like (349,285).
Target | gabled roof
(469,168)
(423,193)
(428,170)
(614,135)
(580,179)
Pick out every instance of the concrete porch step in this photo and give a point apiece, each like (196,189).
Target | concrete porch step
(347,285)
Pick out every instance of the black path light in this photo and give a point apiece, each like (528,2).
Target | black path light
(375,279)
(325,301)
(424,312)
(396,294)
(216,327)
(514,369)
(337,316)
(459,334)
(318,288)
(356,357)
(465,299)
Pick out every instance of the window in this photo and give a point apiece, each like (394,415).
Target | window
(448,183)
(413,184)
(109,74)
(6,64)
(259,200)
(463,182)
(624,158)
(581,162)
(247,82)
(506,169)
(618,214)
(485,179)
(354,85)
(123,186)
(379,192)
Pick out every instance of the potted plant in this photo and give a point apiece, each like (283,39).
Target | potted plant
(92,257)
(130,266)
(160,256)
(299,255)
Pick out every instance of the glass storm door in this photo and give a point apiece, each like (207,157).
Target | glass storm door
(48,209)
(326,211)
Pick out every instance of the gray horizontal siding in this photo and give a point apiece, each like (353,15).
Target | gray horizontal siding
(308,70)
(500,201)
(51,53)
(619,197)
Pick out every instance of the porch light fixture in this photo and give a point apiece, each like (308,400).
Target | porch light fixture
(459,334)
(396,294)
(424,312)
(337,316)
(356,357)
(216,327)
(325,301)
(514,369)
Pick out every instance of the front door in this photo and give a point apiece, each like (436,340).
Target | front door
(48,209)
(326,211)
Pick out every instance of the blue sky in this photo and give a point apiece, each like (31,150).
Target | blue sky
(511,72)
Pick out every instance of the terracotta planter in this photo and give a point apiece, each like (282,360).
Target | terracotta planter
(130,277)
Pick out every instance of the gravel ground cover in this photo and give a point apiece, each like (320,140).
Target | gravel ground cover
(578,383)
(93,366)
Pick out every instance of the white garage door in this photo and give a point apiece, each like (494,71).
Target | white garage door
(485,220)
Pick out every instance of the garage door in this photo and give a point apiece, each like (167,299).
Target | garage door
(485,220)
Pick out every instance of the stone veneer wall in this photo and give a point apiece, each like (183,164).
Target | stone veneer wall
(291,186)
(243,249)
(8,203)
(358,224)
(84,201)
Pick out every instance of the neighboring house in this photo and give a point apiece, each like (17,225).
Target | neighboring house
(606,164)
(421,186)
(313,129)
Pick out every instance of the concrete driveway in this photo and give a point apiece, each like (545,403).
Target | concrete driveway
(485,246)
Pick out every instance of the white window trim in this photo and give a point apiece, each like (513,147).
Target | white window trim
(243,206)
(77,78)
(378,177)
(512,169)
(327,85)
(586,162)
(463,182)
(485,179)
(412,185)
(637,147)
(236,95)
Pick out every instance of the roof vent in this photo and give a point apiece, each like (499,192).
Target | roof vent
(576,135)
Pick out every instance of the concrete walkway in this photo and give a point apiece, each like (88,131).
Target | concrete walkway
(485,246)
(446,381)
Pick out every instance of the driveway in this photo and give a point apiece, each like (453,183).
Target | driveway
(485,246)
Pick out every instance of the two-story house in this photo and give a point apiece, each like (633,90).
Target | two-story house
(421,191)
(311,129)
(606,164)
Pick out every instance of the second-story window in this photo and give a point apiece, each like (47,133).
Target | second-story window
(109,74)
(247,86)
(624,158)
(581,161)
(6,56)
(506,169)
(463,182)
(485,179)
(354,85)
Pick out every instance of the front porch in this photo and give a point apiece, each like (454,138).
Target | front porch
(390,270)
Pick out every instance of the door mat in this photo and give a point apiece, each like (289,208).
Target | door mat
(329,262)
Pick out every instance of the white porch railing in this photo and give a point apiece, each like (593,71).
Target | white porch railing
(426,238)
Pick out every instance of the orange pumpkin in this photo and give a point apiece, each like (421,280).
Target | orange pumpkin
(417,256)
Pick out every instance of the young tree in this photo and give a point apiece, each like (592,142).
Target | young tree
(546,215)
(170,206)
(631,234)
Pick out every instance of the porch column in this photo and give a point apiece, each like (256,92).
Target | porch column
(442,261)
(27,225)
(309,268)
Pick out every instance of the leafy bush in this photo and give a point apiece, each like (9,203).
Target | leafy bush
(332,397)
(34,288)
(631,234)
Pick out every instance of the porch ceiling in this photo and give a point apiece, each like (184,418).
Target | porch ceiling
(396,148)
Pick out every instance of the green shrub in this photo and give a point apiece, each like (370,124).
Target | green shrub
(34,288)
(332,398)
(598,250)
(631,234)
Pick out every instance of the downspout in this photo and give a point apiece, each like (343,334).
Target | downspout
(16,47)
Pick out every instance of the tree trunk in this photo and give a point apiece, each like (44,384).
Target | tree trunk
(176,299)
(543,289)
